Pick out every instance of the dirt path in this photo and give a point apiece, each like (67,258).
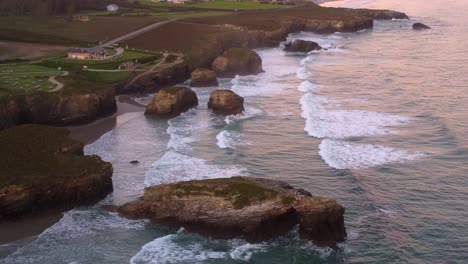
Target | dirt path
(155,68)
(135,33)
(59,84)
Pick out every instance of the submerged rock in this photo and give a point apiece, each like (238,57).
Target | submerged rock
(299,45)
(42,168)
(237,61)
(254,209)
(203,78)
(172,101)
(226,102)
(420,26)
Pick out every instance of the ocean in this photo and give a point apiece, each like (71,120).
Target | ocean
(377,120)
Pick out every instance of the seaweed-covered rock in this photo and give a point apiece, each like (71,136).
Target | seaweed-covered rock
(299,45)
(237,61)
(255,209)
(226,102)
(42,168)
(203,78)
(172,101)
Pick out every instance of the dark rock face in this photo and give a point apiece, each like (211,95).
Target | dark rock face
(172,101)
(251,208)
(420,26)
(299,45)
(203,78)
(43,169)
(226,102)
(60,109)
(237,61)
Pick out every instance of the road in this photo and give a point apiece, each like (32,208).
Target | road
(135,33)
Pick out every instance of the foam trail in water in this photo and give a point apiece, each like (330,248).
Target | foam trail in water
(173,167)
(345,155)
(186,248)
(323,122)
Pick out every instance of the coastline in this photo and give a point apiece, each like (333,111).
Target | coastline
(89,133)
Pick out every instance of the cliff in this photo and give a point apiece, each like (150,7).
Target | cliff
(42,168)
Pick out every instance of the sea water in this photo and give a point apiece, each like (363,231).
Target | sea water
(377,120)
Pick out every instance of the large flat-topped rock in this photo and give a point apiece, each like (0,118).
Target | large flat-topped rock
(255,209)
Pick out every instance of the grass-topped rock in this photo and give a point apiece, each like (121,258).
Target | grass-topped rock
(237,61)
(255,209)
(43,168)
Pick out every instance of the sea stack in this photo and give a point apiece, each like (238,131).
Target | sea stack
(254,209)
(226,102)
(172,101)
(237,61)
(203,78)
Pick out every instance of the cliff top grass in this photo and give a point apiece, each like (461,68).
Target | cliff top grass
(32,153)
(240,191)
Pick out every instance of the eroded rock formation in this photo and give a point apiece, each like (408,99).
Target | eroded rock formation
(203,78)
(420,26)
(237,61)
(299,45)
(42,168)
(172,101)
(226,102)
(255,209)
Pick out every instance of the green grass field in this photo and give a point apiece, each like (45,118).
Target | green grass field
(26,78)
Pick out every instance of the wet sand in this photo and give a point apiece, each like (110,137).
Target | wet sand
(93,131)
(15,234)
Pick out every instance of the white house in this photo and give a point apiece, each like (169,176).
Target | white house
(112,8)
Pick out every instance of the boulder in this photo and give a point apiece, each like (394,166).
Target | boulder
(420,26)
(237,61)
(299,45)
(172,101)
(226,102)
(254,209)
(203,78)
(42,169)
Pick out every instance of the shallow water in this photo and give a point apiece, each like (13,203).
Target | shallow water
(378,121)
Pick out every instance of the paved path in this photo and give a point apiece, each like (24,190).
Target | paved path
(135,33)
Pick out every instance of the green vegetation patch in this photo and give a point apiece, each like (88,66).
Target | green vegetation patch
(240,191)
(24,78)
(33,153)
(234,5)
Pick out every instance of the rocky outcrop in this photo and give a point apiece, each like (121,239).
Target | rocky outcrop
(172,101)
(226,102)
(203,78)
(241,207)
(379,14)
(44,169)
(420,26)
(237,61)
(61,108)
(299,45)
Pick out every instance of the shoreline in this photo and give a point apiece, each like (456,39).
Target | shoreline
(29,227)
(89,133)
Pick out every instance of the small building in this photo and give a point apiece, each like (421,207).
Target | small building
(87,53)
(112,8)
(80,18)
(127,65)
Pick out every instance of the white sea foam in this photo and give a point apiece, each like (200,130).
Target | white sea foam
(183,129)
(303,74)
(173,167)
(227,139)
(345,155)
(166,250)
(180,248)
(323,122)
(307,86)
